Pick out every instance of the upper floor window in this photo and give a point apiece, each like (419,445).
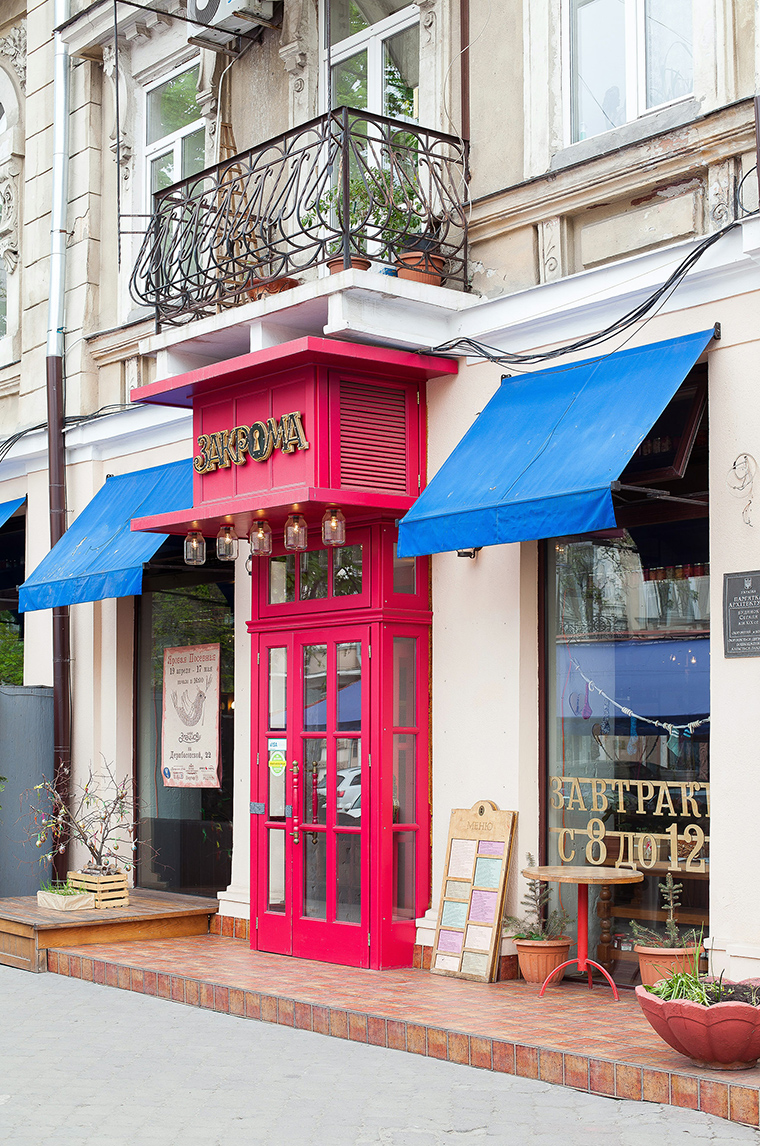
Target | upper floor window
(627,56)
(175,137)
(375,56)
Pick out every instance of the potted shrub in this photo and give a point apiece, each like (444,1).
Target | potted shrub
(62,896)
(360,212)
(660,954)
(541,944)
(715,1024)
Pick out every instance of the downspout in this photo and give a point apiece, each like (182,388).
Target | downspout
(55,411)
(464,66)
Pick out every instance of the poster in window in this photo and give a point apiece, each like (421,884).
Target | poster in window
(190,719)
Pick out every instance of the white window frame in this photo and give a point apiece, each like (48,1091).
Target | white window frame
(635,69)
(372,39)
(173,141)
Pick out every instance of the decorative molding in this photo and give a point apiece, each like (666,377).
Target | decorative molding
(721,193)
(14,47)
(300,58)
(125,102)
(427,18)
(9,203)
(552,249)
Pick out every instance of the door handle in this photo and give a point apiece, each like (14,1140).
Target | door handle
(296,818)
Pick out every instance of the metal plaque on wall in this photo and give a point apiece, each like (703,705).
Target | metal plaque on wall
(741,614)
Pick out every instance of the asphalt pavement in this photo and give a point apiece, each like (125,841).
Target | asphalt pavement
(94,1066)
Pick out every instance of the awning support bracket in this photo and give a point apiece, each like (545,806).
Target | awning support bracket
(654,494)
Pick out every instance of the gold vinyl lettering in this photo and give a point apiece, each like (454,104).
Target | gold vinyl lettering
(662,799)
(556,793)
(689,805)
(599,801)
(693,832)
(257,441)
(642,785)
(596,834)
(575,799)
(563,855)
(622,787)
(626,845)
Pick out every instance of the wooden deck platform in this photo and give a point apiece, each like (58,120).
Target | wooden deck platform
(27,931)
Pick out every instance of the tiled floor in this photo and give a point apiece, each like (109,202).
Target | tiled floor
(572,1037)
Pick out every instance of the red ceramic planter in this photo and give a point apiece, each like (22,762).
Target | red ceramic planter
(723,1037)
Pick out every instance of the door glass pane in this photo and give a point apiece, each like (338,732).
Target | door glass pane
(276,771)
(404,779)
(278,684)
(668,50)
(282,579)
(404,573)
(401,74)
(349,889)
(349,670)
(404,708)
(347,17)
(276,881)
(315,781)
(598,67)
(403,875)
(349,82)
(348,786)
(314,875)
(173,105)
(193,153)
(162,172)
(315,687)
(347,570)
(314,575)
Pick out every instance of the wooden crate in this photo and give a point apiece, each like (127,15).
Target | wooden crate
(109,890)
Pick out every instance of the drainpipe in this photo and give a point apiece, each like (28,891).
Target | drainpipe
(55,411)
(464,65)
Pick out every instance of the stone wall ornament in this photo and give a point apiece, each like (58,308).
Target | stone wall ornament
(124,146)
(14,47)
(552,257)
(9,239)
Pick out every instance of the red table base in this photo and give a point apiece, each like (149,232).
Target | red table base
(583,961)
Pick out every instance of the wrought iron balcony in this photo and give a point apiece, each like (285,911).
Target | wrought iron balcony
(345,186)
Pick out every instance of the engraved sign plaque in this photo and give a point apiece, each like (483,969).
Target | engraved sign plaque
(468,933)
(741,614)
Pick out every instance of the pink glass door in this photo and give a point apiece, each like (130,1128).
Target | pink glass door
(313,832)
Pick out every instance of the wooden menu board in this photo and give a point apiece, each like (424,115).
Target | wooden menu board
(468,932)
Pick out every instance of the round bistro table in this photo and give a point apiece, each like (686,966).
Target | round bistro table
(582,876)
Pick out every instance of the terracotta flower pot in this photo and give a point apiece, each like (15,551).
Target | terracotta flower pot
(358,263)
(259,289)
(539,957)
(421,267)
(657,963)
(723,1037)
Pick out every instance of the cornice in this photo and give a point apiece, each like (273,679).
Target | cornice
(120,343)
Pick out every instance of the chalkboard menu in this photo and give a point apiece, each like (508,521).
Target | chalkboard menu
(478,856)
(741,614)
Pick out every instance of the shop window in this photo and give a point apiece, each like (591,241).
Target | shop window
(627,57)
(375,56)
(175,138)
(12,547)
(317,576)
(187,832)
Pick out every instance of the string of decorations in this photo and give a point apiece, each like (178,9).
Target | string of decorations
(671,729)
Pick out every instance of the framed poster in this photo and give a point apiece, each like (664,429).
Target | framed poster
(190,717)
(478,857)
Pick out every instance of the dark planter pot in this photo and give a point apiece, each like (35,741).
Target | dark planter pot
(723,1037)
(358,263)
(259,289)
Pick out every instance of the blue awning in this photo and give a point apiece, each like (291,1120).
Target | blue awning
(98,556)
(8,508)
(541,457)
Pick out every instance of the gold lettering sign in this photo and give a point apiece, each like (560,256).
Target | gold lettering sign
(258,441)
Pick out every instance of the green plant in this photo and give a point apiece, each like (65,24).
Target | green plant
(59,887)
(380,209)
(536,924)
(673,936)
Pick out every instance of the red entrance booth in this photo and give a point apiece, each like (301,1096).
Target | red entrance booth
(340,814)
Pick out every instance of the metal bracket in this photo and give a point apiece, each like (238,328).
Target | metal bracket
(655,494)
(258,809)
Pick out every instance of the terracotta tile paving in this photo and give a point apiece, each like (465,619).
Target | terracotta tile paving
(571,1037)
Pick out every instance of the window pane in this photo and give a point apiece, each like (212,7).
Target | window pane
(401,74)
(404,570)
(193,153)
(349,668)
(314,575)
(404,779)
(282,579)
(347,17)
(349,82)
(278,669)
(314,875)
(315,687)
(403,875)
(668,50)
(348,789)
(276,881)
(173,105)
(314,781)
(347,570)
(598,67)
(162,172)
(404,708)
(349,889)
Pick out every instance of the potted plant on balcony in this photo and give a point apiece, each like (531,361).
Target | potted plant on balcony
(539,937)
(714,1023)
(99,817)
(360,212)
(663,954)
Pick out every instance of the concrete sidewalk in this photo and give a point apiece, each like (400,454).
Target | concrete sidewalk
(82,1064)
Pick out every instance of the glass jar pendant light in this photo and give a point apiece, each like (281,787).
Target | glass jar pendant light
(195,548)
(296,532)
(334,527)
(227,543)
(260,539)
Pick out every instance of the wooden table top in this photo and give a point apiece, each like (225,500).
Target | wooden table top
(583,874)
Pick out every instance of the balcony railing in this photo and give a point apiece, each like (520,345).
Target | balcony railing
(346,185)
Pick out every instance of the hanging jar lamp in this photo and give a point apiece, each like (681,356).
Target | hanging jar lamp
(260,539)
(195,548)
(296,532)
(227,544)
(334,527)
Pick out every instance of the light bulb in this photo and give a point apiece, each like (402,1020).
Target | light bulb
(334,527)
(296,532)
(260,539)
(195,548)
(226,544)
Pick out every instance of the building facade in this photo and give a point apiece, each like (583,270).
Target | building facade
(544,170)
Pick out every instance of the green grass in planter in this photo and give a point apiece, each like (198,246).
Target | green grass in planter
(60,887)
